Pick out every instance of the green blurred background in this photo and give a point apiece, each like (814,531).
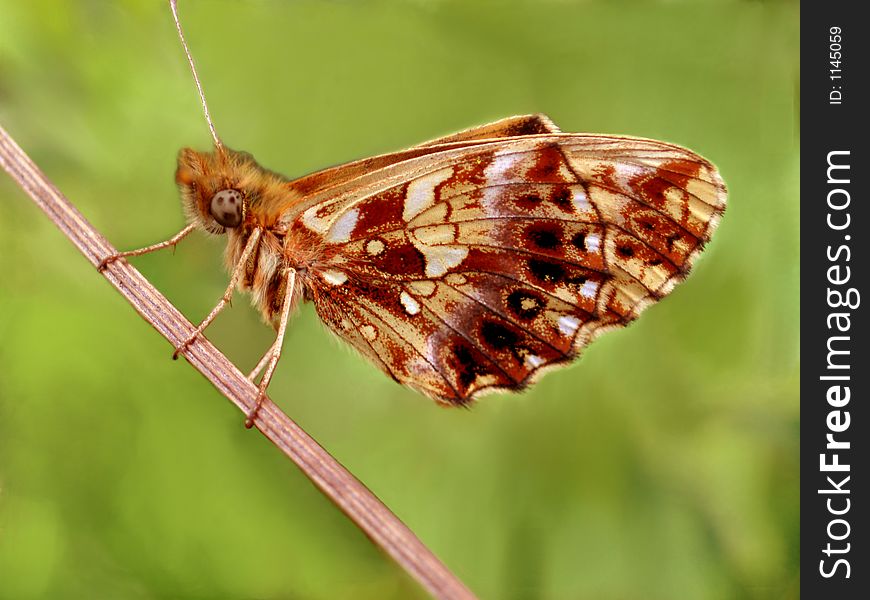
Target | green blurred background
(663,465)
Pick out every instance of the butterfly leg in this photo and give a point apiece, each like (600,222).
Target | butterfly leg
(253,374)
(270,359)
(153,247)
(238,271)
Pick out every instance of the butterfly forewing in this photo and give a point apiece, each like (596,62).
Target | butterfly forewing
(479,263)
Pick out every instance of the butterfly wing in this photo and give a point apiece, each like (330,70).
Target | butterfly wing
(315,184)
(477,266)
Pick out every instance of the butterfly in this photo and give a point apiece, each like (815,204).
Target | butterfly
(468,264)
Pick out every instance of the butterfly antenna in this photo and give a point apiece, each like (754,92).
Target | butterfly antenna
(173,5)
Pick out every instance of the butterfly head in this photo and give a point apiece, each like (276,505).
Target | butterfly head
(217,187)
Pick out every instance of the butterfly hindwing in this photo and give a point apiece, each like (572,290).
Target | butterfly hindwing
(480,263)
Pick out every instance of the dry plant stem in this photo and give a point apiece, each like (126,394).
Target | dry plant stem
(342,488)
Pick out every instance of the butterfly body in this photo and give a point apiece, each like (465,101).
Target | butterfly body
(470,263)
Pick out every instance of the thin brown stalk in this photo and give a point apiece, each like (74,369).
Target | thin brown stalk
(336,482)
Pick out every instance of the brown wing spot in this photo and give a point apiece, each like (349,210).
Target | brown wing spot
(652,189)
(525,304)
(529,202)
(563,198)
(545,236)
(606,174)
(579,241)
(382,212)
(467,369)
(498,336)
(549,167)
(549,272)
(527,127)
(402,259)
(687,169)
(626,251)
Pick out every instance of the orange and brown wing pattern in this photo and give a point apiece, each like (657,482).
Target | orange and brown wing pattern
(475,267)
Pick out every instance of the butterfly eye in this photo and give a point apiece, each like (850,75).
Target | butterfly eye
(226,208)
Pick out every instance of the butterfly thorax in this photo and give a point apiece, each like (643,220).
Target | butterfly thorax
(206,180)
